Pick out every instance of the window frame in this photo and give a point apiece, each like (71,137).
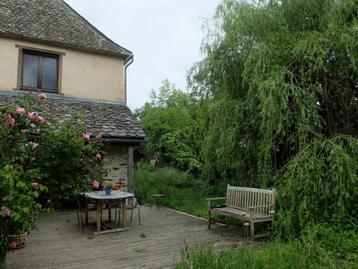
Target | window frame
(40,53)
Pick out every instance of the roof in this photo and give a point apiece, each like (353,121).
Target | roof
(110,119)
(56,23)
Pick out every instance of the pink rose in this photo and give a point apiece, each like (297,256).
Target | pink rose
(41,96)
(6,212)
(95,184)
(86,136)
(20,111)
(12,245)
(34,184)
(98,156)
(32,116)
(10,121)
(40,119)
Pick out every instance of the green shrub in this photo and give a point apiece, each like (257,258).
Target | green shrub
(41,161)
(172,128)
(20,195)
(68,162)
(5,215)
(19,176)
(318,186)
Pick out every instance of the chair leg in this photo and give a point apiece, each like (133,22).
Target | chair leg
(78,221)
(132,214)
(117,216)
(82,224)
(139,215)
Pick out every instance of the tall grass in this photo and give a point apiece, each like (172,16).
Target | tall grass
(275,255)
(181,191)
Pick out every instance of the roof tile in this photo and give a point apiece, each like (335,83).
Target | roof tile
(110,119)
(54,21)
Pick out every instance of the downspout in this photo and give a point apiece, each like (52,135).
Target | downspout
(127,63)
(130,166)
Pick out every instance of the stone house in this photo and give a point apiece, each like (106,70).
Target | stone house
(47,46)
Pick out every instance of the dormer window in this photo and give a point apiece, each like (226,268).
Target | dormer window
(40,71)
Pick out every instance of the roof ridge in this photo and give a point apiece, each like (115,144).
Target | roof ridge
(55,96)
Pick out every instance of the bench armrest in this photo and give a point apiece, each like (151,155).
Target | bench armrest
(215,198)
(209,200)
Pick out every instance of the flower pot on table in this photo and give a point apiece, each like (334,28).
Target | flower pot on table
(108,191)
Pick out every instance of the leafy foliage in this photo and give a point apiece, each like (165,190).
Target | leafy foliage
(4,234)
(280,82)
(20,196)
(67,162)
(274,81)
(41,161)
(172,128)
(275,103)
(319,185)
(19,188)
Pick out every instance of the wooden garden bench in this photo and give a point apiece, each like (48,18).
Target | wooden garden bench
(248,204)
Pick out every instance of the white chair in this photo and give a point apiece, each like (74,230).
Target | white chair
(132,203)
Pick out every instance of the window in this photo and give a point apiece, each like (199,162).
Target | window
(39,71)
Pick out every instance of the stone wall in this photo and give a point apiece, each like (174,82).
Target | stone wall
(117,162)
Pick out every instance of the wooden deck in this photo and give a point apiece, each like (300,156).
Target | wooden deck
(157,243)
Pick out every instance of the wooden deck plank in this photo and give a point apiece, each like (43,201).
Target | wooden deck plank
(57,243)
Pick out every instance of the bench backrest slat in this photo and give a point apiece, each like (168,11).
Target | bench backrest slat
(242,197)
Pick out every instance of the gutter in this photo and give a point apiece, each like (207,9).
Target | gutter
(128,61)
(123,140)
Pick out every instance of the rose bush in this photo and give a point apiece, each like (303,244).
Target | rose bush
(17,165)
(68,162)
(43,164)
(5,214)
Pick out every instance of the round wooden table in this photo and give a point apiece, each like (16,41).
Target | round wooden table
(116,198)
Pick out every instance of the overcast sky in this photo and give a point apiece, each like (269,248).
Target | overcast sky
(164,35)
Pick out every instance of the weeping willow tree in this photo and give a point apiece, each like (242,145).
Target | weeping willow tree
(280,78)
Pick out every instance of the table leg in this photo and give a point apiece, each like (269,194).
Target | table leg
(86,213)
(124,215)
(109,212)
(99,208)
